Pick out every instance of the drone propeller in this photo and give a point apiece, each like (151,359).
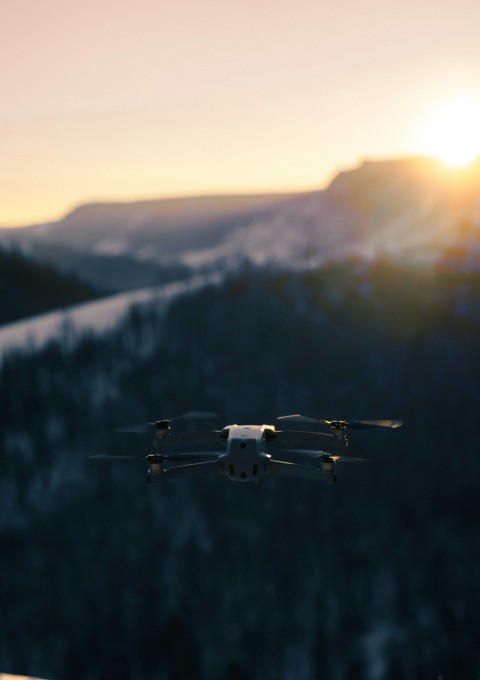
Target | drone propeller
(142,428)
(348,459)
(342,424)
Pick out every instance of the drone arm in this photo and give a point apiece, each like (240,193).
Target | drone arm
(198,437)
(314,458)
(187,457)
(203,469)
(282,468)
(298,438)
(304,457)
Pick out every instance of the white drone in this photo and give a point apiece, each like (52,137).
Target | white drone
(246,452)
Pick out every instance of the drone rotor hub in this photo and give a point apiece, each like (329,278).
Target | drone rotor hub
(162,425)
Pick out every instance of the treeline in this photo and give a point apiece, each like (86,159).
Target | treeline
(373,578)
(28,287)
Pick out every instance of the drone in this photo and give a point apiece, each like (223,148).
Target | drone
(244,453)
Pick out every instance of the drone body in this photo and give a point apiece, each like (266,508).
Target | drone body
(244,453)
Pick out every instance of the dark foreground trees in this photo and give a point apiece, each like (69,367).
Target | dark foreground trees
(103,576)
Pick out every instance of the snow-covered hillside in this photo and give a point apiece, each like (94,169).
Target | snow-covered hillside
(410,209)
(91,317)
(159,230)
(7,676)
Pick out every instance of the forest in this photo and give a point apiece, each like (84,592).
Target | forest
(374,578)
(28,287)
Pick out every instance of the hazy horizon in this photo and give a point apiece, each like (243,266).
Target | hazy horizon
(131,100)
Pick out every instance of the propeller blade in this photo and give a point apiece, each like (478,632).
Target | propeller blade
(353,424)
(298,418)
(104,456)
(142,428)
(363,424)
(349,459)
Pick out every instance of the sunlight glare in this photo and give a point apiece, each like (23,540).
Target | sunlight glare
(453,135)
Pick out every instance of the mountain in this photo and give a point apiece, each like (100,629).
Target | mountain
(412,209)
(154,229)
(131,245)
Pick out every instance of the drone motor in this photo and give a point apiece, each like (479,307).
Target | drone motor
(156,469)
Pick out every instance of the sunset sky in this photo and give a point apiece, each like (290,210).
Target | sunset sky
(130,99)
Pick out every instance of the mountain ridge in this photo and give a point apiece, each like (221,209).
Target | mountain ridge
(409,209)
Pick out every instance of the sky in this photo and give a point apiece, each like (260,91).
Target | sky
(104,100)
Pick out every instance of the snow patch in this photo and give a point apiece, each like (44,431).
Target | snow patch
(94,317)
(110,246)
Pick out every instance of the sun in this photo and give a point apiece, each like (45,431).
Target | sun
(453,134)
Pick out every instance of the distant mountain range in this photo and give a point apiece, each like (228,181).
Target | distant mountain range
(412,209)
